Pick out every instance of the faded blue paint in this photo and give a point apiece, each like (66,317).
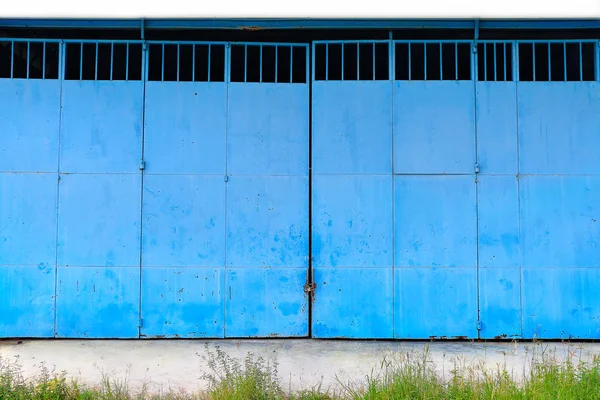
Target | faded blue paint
(560,224)
(435,302)
(435,221)
(28,219)
(498,221)
(184,302)
(101,127)
(358,132)
(183,221)
(99,221)
(29,114)
(434,127)
(27,300)
(265,302)
(97,302)
(500,303)
(267,133)
(561,303)
(352,227)
(185,127)
(558,127)
(497,128)
(354,303)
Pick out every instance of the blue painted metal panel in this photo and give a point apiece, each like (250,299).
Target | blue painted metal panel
(28,219)
(268,129)
(558,127)
(359,132)
(98,302)
(352,221)
(497,127)
(183,221)
(27,301)
(434,127)
(267,221)
(435,221)
(560,222)
(500,303)
(99,220)
(29,114)
(561,302)
(353,303)
(266,302)
(498,213)
(435,302)
(101,127)
(185,127)
(182,302)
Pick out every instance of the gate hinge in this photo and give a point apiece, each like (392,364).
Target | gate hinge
(140,322)
(478,325)
(476,168)
(142,164)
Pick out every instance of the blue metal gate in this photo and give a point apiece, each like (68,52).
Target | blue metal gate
(225,211)
(29,121)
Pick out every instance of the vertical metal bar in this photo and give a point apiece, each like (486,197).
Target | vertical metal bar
(194,63)
(495,47)
(28,57)
(342,61)
(409,63)
(456,61)
(12,58)
(441,74)
(44,60)
(358,61)
(178,54)
(112,53)
(96,66)
(127,62)
(209,60)
(565,61)
(291,63)
(515,61)
(373,61)
(549,64)
(425,59)
(597,60)
(326,61)
(580,61)
(261,64)
(162,70)
(485,62)
(277,61)
(533,58)
(81,61)
(307,57)
(504,52)
(245,63)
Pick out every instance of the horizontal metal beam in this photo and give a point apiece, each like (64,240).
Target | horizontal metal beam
(256,24)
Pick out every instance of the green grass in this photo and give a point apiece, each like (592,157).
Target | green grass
(400,376)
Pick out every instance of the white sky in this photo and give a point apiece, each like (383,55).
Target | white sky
(300,9)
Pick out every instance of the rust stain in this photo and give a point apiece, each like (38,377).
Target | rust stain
(499,337)
(251,28)
(460,337)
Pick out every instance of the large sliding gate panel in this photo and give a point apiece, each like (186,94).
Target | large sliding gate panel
(435,218)
(352,190)
(183,218)
(29,123)
(559,136)
(98,245)
(267,191)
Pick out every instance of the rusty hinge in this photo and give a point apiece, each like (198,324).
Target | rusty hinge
(310,285)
